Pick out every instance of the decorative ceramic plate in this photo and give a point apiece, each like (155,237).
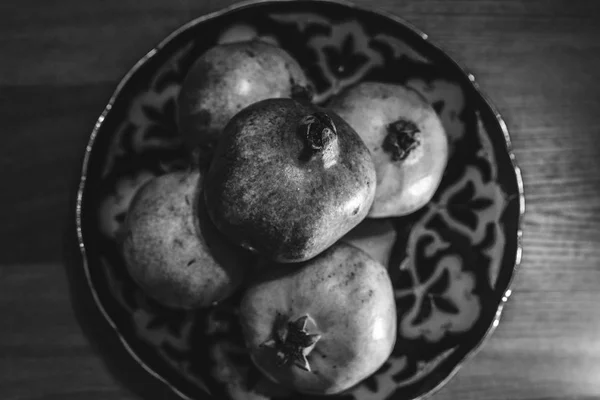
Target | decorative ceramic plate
(451,262)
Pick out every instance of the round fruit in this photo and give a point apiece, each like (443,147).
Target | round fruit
(374,236)
(287,180)
(115,203)
(324,325)
(229,77)
(173,251)
(406,139)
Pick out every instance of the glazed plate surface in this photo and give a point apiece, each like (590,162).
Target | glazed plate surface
(451,262)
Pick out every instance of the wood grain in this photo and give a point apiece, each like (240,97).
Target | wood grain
(539,60)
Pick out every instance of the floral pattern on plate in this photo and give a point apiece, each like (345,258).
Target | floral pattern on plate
(451,262)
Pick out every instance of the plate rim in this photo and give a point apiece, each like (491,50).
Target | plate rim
(247,4)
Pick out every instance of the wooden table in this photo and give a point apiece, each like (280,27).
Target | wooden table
(539,60)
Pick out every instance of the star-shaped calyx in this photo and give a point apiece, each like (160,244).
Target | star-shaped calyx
(403,137)
(291,342)
(321,138)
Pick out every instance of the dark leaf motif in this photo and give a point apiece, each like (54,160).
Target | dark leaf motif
(424,311)
(164,122)
(355,63)
(405,303)
(170,111)
(481,204)
(401,278)
(490,236)
(464,195)
(344,62)
(445,305)
(485,168)
(383,48)
(423,266)
(464,215)
(319,80)
(371,384)
(438,106)
(406,373)
(348,45)
(384,368)
(152,113)
(463,205)
(441,285)
(437,224)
